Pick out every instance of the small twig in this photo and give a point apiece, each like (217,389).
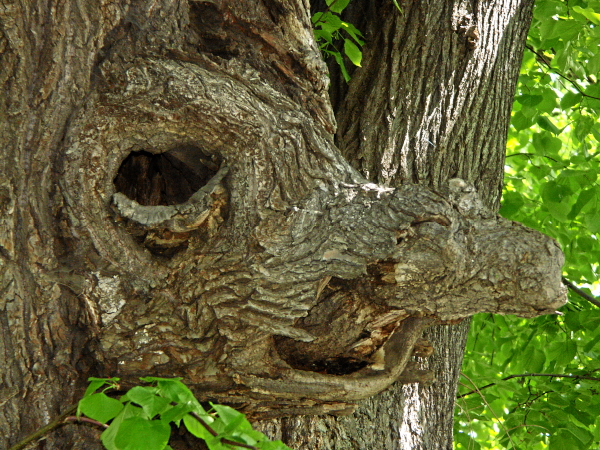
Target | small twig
(532,154)
(579,292)
(324,12)
(60,420)
(214,433)
(525,375)
(544,60)
(491,410)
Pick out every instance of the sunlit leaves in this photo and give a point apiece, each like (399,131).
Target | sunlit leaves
(551,184)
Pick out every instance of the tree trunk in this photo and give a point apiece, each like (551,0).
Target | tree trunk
(177,200)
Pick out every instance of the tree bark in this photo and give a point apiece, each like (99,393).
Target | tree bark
(178,200)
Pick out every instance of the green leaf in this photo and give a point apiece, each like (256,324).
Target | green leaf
(136,433)
(570,99)
(146,397)
(582,199)
(322,35)
(554,192)
(548,102)
(546,144)
(176,413)
(330,22)
(580,433)
(583,127)
(108,436)
(340,61)
(337,6)
(100,407)
(592,221)
(563,441)
(535,360)
(565,30)
(545,123)
(589,13)
(353,32)
(395,2)
(593,65)
(226,413)
(97,383)
(173,390)
(273,445)
(353,52)
(196,428)
(529,100)
(512,202)
(545,9)
(521,122)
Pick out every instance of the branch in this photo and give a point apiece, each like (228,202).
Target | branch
(588,297)
(60,420)
(533,154)
(544,60)
(525,375)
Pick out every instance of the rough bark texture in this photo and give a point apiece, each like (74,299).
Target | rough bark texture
(176,201)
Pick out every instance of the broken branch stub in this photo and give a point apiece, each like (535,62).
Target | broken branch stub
(286,283)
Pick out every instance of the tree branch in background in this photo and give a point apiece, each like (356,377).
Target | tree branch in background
(588,297)
(526,375)
(544,59)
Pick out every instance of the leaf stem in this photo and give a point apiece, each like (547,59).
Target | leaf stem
(86,419)
(214,433)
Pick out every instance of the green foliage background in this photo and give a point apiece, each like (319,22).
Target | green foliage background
(551,184)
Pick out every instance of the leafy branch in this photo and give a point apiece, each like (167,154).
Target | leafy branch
(140,419)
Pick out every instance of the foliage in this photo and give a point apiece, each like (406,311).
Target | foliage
(545,373)
(329,29)
(141,419)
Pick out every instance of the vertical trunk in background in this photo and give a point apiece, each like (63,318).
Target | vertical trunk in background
(431,102)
